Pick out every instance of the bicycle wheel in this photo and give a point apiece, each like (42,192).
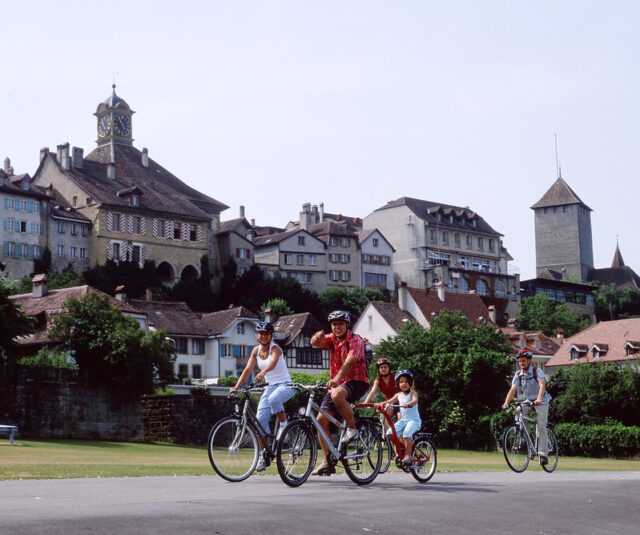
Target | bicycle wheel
(553,452)
(424,460)
(296,453)
(363,455)
(515,448)
(387,455)
(233,449)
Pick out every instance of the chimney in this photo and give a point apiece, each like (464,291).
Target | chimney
(305,216)
(77,155)
(492,314)
(402,296)
(314,214)
(268,315)
(121,295)
(441,291)
(251,234)
(253,222)
(149,295)
(43,152)
(40,286)
(241,211)
(145,157)
(511,323)
(111,171)
(321,207)
(63,156)
(560,332)
(7,165)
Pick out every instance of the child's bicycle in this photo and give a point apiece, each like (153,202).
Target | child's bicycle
(424,459)
(233,442)
(518,446)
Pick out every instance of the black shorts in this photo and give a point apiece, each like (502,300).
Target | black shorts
(356,390)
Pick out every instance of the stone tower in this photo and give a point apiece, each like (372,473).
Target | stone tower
(563,233)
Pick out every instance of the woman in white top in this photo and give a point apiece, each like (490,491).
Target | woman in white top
(267,355)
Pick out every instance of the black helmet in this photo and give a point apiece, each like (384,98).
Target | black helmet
(264,327)
(339,315)
(382,361)
(524,353)
(403,373)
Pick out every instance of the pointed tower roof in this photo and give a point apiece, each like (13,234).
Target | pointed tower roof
(617,258)
(559,194)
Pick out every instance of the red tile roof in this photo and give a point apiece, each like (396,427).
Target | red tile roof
(470,305)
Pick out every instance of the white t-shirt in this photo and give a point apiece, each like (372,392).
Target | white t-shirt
(279,374)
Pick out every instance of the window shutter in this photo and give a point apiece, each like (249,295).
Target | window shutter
(200,233)
(109,221)
(143,226)
(248,253)
(109,250)
(237,253)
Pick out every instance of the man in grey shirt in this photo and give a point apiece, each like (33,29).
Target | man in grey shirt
(531,383)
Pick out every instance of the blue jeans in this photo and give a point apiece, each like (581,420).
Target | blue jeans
(272,402)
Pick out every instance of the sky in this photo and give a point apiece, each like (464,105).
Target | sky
(353,103)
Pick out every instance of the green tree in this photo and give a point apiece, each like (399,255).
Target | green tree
(353,300)
(539,313)
(13,320)
(135,279)
(278,308)
(460,372)
(613,303)
(111,348)
(42,264)
(596,393)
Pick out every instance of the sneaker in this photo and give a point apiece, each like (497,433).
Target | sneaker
(281,429)
(325,469)
(544,460)
(406,459)
(262,465)
(348,435)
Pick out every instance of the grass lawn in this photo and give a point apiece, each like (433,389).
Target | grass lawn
(51,459)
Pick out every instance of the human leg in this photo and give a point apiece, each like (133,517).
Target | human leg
(542,415)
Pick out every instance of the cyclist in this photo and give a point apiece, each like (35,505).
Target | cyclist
(530,382)
(267,355)
(349,377)
(410,421)
(384,382)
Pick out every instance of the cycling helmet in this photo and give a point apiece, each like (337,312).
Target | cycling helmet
(524,353)
(264,326)
(403,373)
(339,315)
(382,361)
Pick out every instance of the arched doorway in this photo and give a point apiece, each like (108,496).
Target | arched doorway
(189,274)
(165,273)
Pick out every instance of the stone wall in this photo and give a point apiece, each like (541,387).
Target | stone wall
(182,419)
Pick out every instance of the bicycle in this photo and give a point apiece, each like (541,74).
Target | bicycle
(233,445)
(518,446)
(425,456)
(297,448)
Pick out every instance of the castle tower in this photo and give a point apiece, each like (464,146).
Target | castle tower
(563,233)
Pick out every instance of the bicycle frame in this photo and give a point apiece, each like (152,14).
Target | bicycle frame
(248,417)
(520,420)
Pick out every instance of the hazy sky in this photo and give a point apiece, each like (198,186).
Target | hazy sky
(271,104)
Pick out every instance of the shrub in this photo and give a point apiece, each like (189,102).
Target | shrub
(598,440)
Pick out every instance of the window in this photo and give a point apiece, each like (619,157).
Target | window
(9,249)
(300,260)
(89,200)
(463,286)
(345,276)
(345,242)
(243,253)
(73,229)
(73,252)
(116,222)
(345,258)
(469,242)
(60,227)
(491,245)
(445,237)
(377,280)
(288,259)
(480,244)
(136,251)
(196,371)
(21,250)
(85,230)
(176,230)
(226,350)
(75,201)
(135,226)
(193,233)
(333,275)
(432,235)
(23,226)
(240,328)
(181,344)
(333,241)
(135,200)
(313,260)
(300,240)
(375,242)
(456,239)
(481,287)
(501,290)
(574,354)
(197,346)
(183,371)
(305,278)
(60,250)
(83,252)
(116,251)
(160,228)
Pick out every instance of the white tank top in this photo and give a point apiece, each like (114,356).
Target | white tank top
(279,374)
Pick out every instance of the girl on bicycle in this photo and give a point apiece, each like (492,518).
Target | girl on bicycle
(384,382)
(267,355)
(410,421)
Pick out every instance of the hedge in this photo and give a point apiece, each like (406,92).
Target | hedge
(598,440)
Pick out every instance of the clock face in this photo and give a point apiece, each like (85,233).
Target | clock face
(122,125)
(104,126)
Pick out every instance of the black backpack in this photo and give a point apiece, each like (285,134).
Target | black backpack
(368,349)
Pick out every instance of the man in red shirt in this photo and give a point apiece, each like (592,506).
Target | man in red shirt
(349,377)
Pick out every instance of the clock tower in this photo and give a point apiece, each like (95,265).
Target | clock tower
(114,121)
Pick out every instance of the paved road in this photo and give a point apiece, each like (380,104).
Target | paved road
(456,503)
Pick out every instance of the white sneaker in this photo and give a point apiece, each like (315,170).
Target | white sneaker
(281,429)
(261,466)
(348,435)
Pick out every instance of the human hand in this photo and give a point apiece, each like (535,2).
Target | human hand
(331,383)
(537,402)
(505,405)
(260,377)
